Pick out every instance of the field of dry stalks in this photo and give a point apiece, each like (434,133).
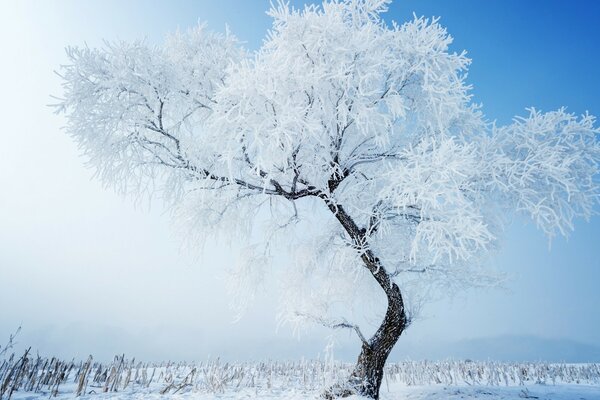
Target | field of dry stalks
(30,376)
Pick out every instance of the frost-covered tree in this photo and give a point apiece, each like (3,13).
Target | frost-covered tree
(364,129)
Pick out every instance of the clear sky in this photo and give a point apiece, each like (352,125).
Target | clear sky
(84,271)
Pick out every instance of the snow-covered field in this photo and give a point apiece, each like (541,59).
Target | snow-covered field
(542,392)
(432,392)
(28,377)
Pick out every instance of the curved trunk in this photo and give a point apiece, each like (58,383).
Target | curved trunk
(368,372)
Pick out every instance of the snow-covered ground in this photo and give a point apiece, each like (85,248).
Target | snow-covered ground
(541,392)
(396,392)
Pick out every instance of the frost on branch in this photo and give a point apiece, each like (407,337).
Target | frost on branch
(351,142)
(137,111)
(547,166)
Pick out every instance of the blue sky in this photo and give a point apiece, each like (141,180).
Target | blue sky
(86,272)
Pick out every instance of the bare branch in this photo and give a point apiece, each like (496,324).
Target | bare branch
(336,324)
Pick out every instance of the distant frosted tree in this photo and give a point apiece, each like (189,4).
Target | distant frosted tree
(360,134)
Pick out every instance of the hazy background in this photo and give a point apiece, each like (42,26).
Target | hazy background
(83,271)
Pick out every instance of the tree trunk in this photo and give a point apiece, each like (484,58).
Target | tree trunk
(368,373)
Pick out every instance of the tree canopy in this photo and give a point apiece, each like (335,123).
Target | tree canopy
(366,129)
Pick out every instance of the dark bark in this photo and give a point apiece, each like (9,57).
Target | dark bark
(367,376)
(368,373)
